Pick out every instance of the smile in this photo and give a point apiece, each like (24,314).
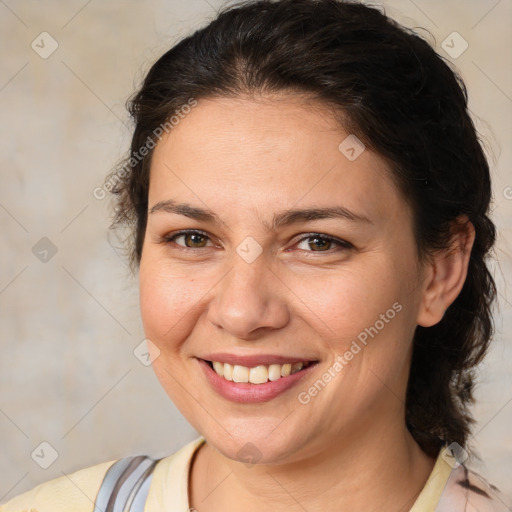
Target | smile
(256,382)
(257,374)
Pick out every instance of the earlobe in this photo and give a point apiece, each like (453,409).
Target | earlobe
(446,274)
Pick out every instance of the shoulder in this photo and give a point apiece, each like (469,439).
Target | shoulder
(171,477)
(76,491)
(468,491)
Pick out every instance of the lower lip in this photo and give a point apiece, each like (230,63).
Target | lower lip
(244,392)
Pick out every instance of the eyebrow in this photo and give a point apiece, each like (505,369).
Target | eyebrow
(280,219)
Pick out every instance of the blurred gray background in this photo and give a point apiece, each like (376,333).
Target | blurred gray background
(69,309)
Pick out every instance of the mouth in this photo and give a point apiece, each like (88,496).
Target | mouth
(259,374)
(255,383)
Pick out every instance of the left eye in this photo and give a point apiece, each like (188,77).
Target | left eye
(322,243)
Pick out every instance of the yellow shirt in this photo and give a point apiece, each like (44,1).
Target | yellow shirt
(76,492)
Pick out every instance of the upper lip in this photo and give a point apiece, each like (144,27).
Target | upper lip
(254,360)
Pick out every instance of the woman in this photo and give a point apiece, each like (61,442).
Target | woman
(309,207)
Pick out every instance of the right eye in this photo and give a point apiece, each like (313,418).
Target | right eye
(192,239)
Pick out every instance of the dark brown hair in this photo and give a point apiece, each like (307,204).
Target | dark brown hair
(396,94)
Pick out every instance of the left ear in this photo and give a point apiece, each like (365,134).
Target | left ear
(446,273)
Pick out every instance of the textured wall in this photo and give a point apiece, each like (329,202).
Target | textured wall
(69,311)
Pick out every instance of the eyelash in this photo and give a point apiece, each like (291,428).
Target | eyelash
(342,244)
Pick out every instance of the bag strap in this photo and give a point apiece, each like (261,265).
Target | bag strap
(125,486)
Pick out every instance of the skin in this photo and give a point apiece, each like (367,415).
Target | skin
(247,159)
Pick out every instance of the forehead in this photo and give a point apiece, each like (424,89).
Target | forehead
(260,153)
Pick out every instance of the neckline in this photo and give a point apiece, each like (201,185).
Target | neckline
(432,491)
(428,498)
(200,443)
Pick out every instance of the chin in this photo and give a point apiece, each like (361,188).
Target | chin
(254,446)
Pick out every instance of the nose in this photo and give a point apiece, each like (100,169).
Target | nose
(249,300)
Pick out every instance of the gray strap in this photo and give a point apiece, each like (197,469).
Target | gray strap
(125,486)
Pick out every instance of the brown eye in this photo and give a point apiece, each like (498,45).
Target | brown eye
(316,242)
(320,243)
(194,240)
(191,239)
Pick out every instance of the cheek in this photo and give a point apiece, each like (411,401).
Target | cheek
(364,315)
(166,304)
(343,303)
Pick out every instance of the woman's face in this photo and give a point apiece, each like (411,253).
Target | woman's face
(259,287)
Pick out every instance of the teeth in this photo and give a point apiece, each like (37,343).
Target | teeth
(219,368)
(258,374)
(240,373)
(297,367)
(286,369)
(274,372)
(228,371)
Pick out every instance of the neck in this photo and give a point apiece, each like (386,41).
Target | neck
(383,469)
